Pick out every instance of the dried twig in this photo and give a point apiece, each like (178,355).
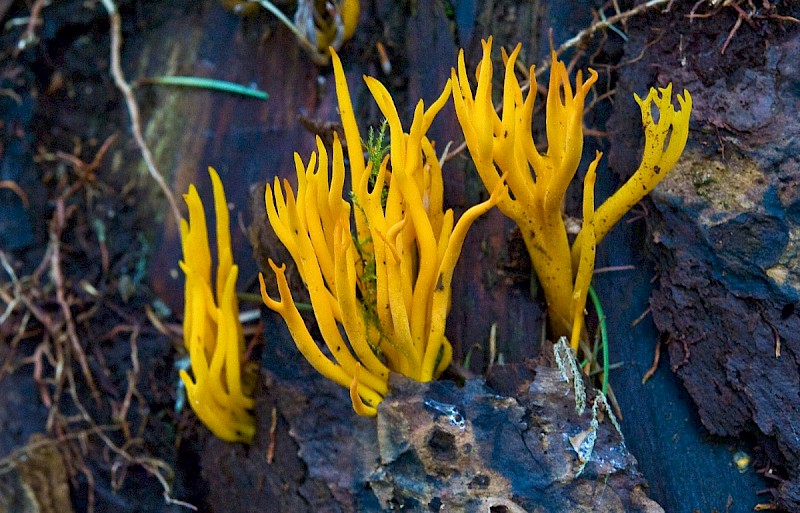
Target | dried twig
(656,358)
(63,346)
(55,269)
(133,107)
(606,23)
(641,317)
(29,36)
(16,189)
(153,466)
(86,171)
(273,425)
(614,269)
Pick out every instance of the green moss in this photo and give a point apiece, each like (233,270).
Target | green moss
(734,184)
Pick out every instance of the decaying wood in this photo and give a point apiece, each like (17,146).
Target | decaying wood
(725,227)
(517,443)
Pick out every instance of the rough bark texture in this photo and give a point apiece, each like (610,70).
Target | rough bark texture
(57,95)
(726,225)
(474,449)
(434,447)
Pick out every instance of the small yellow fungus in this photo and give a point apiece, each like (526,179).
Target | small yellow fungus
(537,183)
(358,405)
(327,23)
(317,24)
(211,328)
(742,461)
(342,26)
(386,283)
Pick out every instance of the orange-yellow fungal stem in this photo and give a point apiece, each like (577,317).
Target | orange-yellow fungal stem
(382,289)
(583,275)
(664,143)
(538,181)
(358,404)
(212,331)
(305,343)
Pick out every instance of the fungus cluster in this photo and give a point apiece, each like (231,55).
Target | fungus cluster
(379,268)
(387,281)
(504,145)
(211,329)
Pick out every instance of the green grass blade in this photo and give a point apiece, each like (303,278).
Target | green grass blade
(206,83)
(603,335)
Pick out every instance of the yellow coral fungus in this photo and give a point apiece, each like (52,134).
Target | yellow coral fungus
(318,24)
(537,182)
(211,328)
(327,23)
(386,283)
(663,145)
(345,19)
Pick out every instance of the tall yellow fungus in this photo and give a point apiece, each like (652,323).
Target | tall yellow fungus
(383,275)
(504,145)
(211,328)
